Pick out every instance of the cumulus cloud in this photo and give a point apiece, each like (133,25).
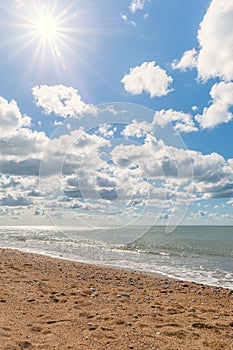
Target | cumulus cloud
(104,180)
(27,167)
(149,78)
(153,157)
(138,129)
(21,148)
(136,5)
(97,171)
(182,122)
(10,117)
(72,151)
(107,130)
(61,100)
(128,21)
(18,190)
(21,144)
(213,176)
(134,173)
(216,42)
(187,61)
(214,59)
(9,182)
(18,201)
(218,112)
(207,176)
(227,216)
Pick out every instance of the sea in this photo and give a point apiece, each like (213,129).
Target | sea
(202,254)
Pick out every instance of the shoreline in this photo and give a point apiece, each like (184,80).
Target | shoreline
(115,267)
(158,274)
(55,303)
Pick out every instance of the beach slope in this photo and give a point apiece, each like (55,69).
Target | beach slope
(48,303)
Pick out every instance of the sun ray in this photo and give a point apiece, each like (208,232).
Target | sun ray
(51,36)
(45,27)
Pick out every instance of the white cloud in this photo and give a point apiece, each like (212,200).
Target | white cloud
(107,130)
(125,19)
(11,201)
(148,77)
(187,61)
(98,171)
(207,176)
(21,148)
(72,151)
(213,176)
(154,158)
(10,117)
(137,129)
(227,216)
(136,5)
(18,185)
(22,144)
(215,37)
(218,112)
(214,60)
(182,122)
(133,174)
(61,100)
(18,191)
(215,56)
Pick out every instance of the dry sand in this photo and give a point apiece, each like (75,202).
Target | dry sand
(48,303)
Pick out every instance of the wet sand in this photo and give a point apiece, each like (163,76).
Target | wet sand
(48,303)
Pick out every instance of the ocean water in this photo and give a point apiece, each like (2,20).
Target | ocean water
(201,254)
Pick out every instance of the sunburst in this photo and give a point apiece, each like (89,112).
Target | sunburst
(48,29)
(48,36)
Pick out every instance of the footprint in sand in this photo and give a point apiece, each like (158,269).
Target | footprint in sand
(25,344)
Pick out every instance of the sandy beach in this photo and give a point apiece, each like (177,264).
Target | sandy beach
(48,303)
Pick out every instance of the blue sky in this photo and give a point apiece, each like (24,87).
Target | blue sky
(116,112)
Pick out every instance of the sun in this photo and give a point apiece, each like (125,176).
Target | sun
(50,30)
(47,28)
(50,34)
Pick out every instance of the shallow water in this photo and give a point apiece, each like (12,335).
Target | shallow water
(201,254)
